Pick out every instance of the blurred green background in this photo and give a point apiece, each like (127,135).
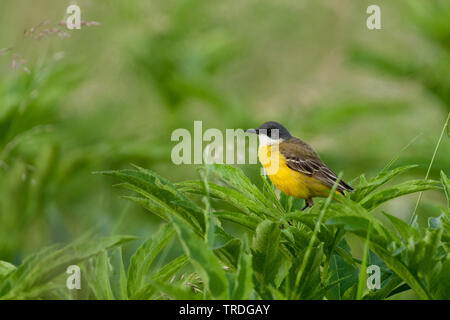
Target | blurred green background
(111,95)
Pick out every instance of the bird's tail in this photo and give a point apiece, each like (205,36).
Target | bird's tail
(343,186)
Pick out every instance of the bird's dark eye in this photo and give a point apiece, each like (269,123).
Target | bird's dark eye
(269,133)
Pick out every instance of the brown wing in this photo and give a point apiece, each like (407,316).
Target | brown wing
(302,158)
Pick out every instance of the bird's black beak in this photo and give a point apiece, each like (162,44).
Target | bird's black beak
(251,131)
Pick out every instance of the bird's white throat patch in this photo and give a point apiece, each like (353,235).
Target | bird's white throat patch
(267,141)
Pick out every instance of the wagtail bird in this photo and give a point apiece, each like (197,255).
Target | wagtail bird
(299,172)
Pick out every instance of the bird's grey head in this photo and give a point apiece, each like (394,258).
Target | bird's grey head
(271,132)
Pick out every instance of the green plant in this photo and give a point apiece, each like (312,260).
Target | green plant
(284,253)
(29,155)
(39,276)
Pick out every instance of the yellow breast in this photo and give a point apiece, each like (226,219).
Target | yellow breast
(287,180)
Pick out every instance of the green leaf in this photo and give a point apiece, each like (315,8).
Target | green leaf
(143,257)
(269,188)
(397,266)
(170,269)
(290,203)
(422,255)
(203,259)
(163,275)
(350,293)
(235,198)
(348,208)
(149,205)
(266,253)
(6,267)
(440,281)
(243,283)
(34,276)
(446,184)
(350,223)
(165,198)
(373,200)
(310,221)
(389,281)
(299,238)
(405,230)
(306,275)
(229,253)
(119,277)
(384,176)
(342,269)
(387,290)
(235,178)
(102,276)
(249,222)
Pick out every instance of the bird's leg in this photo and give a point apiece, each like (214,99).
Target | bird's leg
(308,204)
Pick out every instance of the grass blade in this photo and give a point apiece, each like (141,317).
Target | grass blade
(414,216)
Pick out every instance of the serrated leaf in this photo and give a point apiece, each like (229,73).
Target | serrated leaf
(308,281)
(439,281)
(233,197)
(163,275)
(373,200)
(343,270)
(405,230)
(162,193)
(310,221)
(249,222)
(34,276)
(244,278)
(350,223)
(397,266)
(269,189)
(235,178)
(348,208)
(367,187)
(446,184)
(143,257)
(170,269)
(203,259)
(229,253)
(266,254)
